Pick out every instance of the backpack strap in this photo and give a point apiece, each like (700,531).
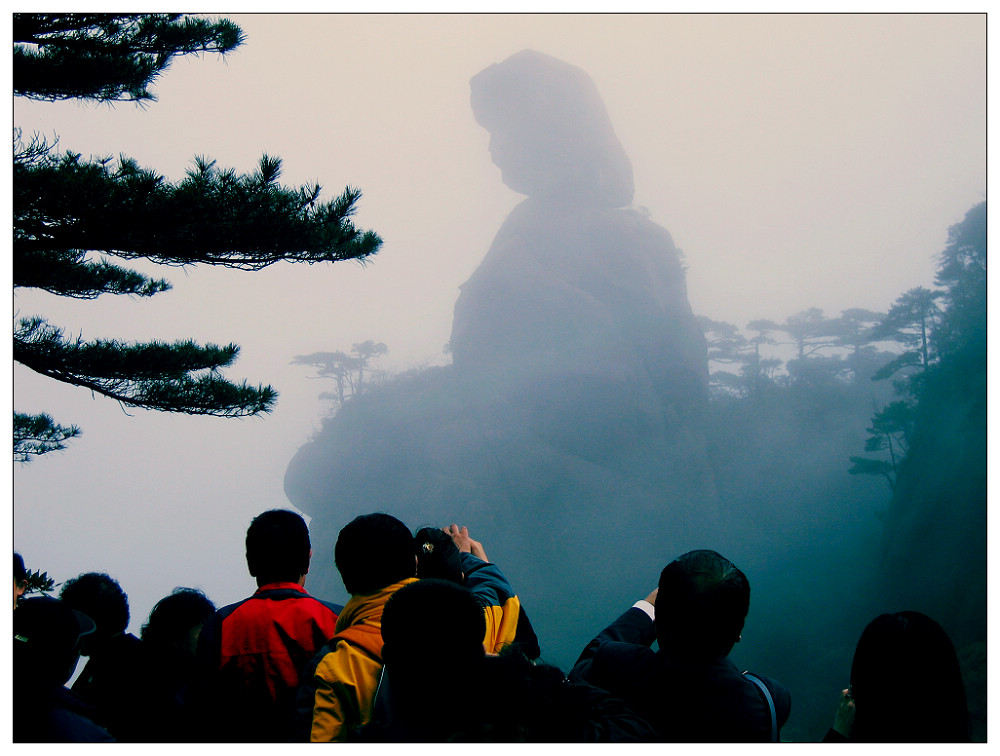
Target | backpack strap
(770,703)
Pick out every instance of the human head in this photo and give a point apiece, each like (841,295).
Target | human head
(278,548)
(906,682)
(701,604)
(425,623)
(47,634)
(437,555)
(100,597)
(374,551)
(176,620)
(431,617)
(550,132)
(20,578)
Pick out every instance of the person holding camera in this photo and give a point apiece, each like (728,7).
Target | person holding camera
(689,690)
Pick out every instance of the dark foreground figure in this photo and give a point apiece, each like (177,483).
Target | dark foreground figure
(114,655)
(906,685)
(169,648)
(47,634)
(438,684)
(689,690)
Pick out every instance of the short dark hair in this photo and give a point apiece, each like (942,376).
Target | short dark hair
(437,555)
(374,551)
(701,604)
(278,546)
(100,597)
(431,616)
(171,620)
(20,573)
(423,623)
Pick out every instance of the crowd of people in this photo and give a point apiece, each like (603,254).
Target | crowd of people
(434,646)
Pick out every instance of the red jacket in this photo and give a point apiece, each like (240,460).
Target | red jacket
(251,656)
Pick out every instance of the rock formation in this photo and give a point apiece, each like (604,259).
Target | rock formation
(567,432)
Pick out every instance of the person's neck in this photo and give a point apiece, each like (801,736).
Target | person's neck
(300,581)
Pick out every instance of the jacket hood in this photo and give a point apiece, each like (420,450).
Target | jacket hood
(366,608)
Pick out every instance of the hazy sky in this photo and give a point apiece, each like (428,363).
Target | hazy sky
(798,161)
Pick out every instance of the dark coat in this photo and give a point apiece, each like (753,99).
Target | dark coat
(502,699)
(54,714)
(108,682)
(685,701)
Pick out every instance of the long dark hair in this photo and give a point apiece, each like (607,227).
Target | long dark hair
(906,683)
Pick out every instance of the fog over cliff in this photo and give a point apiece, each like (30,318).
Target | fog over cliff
(561,198)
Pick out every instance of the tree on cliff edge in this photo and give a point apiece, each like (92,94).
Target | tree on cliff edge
(70,213)
(946,355)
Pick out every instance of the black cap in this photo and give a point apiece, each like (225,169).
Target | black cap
(47,625)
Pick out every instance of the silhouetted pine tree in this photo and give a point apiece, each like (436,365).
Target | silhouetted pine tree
(945,348)
(67,209)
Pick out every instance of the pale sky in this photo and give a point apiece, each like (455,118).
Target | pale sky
(798,161)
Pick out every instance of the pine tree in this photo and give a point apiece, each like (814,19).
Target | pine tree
(911,321)
(346,370)
(945,347)
(213,216)
(962,273)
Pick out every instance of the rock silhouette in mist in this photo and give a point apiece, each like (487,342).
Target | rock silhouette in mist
(571,417)
(580,306)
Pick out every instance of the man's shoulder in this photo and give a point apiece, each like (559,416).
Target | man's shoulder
(303,599)
(130,641)
(354,640)
(623,662)
(348,656)
(278,600)
(741,709)
(780,696)
(222,612)
(124,646)
(625,650)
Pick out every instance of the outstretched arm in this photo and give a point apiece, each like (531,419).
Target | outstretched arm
(491,589)
(634,626)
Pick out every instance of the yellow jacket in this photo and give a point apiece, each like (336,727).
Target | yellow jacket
(500,606)
(339,685)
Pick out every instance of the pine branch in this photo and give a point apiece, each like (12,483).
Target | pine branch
(213,216)
(152,375)
(39,434)
(865,466)
(70,274)
(107,57)
(904,360)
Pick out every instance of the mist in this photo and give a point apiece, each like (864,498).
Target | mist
(775,163)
